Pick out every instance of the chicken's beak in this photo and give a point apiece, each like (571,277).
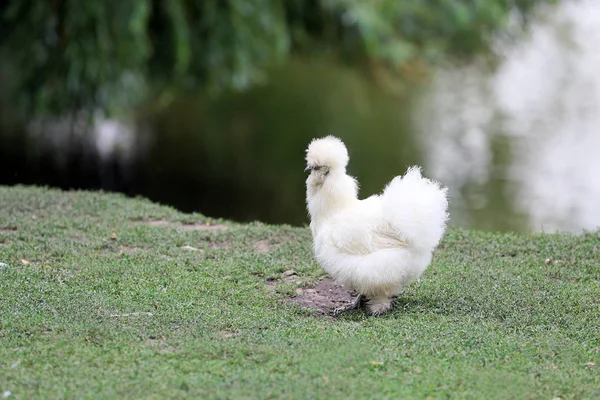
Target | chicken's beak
(308,168)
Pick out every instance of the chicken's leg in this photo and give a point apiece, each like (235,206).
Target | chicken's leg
(379,305)
(356,303)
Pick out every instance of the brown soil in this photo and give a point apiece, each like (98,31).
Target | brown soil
(158,222)
(262,246)
(197,226)
(128,250)
(220,245)
(160,344)
(202,227)
(227,334)
(323,297)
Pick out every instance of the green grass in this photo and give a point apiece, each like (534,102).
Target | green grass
(490,319)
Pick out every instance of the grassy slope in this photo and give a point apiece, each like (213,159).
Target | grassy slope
(490,318)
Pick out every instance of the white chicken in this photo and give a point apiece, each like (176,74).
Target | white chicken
(375,246)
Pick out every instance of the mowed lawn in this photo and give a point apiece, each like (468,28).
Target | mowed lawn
(103,297)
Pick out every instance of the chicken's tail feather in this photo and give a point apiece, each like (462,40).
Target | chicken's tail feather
(417,209)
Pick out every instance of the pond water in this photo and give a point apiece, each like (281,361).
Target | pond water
(518,143)
(520,147)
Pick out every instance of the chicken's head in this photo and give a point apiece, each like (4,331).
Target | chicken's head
(325,155)
(328,186)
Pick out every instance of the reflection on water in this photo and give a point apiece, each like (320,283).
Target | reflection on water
(519,147)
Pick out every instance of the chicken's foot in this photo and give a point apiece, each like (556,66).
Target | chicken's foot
(356,303)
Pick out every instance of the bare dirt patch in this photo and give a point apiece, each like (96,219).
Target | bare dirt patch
(8,229)
(158,222)
(160,344)
(128,250)
(227,334)
(226,244)
(202,227)
(195,226)
(155,340)
(262,246)
(78,239)
(323,297)
(266,246)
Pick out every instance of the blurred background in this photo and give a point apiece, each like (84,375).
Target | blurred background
(208,105)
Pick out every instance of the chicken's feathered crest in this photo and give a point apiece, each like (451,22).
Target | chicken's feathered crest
(328,152)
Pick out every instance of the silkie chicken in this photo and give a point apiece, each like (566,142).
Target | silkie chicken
(375,246)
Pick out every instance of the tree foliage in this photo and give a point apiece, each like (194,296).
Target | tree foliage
(87,54)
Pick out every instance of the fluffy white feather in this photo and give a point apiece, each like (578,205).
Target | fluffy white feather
(378,245)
